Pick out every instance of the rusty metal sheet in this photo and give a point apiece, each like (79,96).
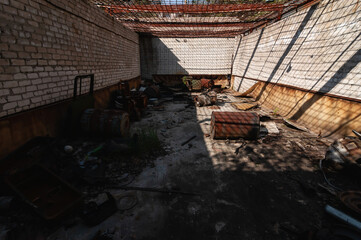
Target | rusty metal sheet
(193,8)
(227,125)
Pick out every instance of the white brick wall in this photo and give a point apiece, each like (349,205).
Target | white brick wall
(186,55)
(42,49)
(322,55)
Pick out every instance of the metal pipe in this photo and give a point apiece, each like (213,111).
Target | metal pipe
(343,217)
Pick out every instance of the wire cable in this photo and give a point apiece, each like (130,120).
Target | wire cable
(325,177)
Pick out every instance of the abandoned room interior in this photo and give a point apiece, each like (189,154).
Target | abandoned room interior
(180,119)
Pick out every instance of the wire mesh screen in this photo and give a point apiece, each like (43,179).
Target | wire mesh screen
(196,18)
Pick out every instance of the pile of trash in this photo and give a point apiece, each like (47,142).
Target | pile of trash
(52,179)
(206,99)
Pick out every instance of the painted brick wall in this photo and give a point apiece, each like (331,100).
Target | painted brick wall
(46,43)
(316,48)
(185,55)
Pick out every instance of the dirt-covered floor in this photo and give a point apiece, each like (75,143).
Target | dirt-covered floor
(224,189)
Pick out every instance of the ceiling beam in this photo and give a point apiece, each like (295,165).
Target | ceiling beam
(188,24)
(193,8)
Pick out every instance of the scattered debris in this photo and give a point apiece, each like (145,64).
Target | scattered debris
(271,127)
(219,226)
(298,144)
(103,235)
(5,203)
(159,190)
(190,139)
(152,91)
(239,148)
(357,134)
(307,190)
(206,99)
(157,108)
(96,212)
(345,150)
(294,125)
(214,107)
(97,165)
(153,101)
(244,106)
(68,149)
(245,94)
(328,189)
(127,202)
(352,200)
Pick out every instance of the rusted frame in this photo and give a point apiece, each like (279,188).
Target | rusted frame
(191,24)
(201,8)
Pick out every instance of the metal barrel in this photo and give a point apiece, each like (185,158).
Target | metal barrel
(105,122)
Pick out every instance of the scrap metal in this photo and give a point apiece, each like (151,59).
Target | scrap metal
(352,200)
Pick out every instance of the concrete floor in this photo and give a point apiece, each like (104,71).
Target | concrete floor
(255,194)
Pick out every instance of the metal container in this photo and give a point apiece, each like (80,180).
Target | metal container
(231,125)
(105,122)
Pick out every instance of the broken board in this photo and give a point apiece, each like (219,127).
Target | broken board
(244,106)
(245,94)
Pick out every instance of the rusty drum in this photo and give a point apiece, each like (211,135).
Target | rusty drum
(105,122)
(231,125)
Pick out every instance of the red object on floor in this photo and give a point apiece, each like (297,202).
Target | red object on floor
(230,125)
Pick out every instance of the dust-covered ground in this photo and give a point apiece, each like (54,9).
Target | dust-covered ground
(222,189)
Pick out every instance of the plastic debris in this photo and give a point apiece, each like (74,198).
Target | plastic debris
(271,127)
(68,149)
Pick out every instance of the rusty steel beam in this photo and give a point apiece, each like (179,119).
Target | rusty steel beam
(286,9)
(185,24)
(224,33)
(194,8)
